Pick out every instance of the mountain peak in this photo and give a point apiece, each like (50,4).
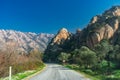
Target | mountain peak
(61,36)
(115,7)
(63,30)
(113,11)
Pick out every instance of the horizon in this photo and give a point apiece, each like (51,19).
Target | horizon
(40,16)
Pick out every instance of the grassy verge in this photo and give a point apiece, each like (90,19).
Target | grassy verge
(91,75)
(20,76)
(76,68)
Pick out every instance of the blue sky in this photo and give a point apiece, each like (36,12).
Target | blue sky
(48,16)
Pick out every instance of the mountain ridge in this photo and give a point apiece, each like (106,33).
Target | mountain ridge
(25,41)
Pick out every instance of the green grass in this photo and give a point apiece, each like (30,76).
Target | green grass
(20,76)
(76,68)
(91,75)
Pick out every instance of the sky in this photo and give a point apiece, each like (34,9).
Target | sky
(48,16)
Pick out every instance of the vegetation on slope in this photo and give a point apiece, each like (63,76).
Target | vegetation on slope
(19,62)
(101,62)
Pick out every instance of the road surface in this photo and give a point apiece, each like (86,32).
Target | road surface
(58,72)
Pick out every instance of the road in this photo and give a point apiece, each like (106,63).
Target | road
(58,72)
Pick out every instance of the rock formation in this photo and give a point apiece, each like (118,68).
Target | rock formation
(103,26)
(55,46)
(62,35)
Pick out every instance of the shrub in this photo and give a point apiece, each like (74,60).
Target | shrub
(89,71)
(18,62)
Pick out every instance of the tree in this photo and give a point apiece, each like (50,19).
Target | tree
(85,57)
(76,55)
(63,57)
(102,49)
(115,55)
(104,52)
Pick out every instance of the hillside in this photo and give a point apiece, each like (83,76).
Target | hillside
(23,42)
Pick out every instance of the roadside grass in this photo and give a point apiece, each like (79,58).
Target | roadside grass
(76,68)
(91,75)
(22,75)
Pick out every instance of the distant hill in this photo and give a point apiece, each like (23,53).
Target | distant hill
(23,41)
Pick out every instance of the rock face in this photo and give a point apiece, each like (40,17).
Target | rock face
(62,35)
(95,37)
(103,26)
(114,11)
(94,19)
(23,42)
(55,46)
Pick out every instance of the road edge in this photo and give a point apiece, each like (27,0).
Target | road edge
(27,78)
(85,75)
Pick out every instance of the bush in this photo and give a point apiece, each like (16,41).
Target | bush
(18,62)
(89,71)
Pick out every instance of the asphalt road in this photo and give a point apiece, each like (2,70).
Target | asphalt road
(58,72)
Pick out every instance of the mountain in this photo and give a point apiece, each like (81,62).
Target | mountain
(101,27)
(61,36)
(104,26)
(23,41)
(54,47)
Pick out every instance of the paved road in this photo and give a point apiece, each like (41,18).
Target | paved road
(58,72)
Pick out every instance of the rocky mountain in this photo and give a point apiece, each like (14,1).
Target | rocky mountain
(61,36)
(23,41)
(104,26)
(56,43)
(101,27)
